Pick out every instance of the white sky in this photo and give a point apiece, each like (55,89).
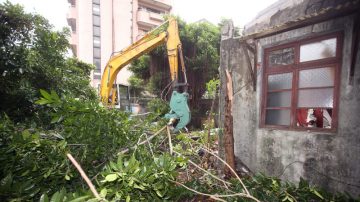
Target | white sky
(240,11)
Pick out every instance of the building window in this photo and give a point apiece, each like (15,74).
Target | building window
(96,20)
(97,64)
(301,84)
(96,39)
(72,2)
(97,52)
(73,27)
(97,75)
(96,30)
(96,9)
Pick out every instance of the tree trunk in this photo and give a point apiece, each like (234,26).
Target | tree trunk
(228,127)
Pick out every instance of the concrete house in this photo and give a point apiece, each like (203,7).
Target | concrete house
(296,92)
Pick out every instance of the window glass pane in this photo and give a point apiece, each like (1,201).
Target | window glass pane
(318,50)
(73,27)
(96,41)
(314,118)
(280,81)
(97,64)
(279,99)
(73,2)
(277,117)
(281,57)
(96,31)
(96,20)
(97,52)
(96,9)
(123,90)
(96,76)
(317,77)
(316,98)
(96,1)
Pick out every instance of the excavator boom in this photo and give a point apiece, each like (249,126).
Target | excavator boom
(153,39)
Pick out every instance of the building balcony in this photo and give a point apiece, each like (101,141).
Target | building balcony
(161,4)
(72,2)
(148,19)
(73,42)
(156,17)
(71,16)
(73,38)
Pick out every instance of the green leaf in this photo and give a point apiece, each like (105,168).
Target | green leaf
(45,94)
(55,197)
(79,199)
(317,193)
(42,101)
(26,134)
(103,192)
(55,96)
(111,177)
(141,187)
(159,193)
(6,182)
(55,119)
(67,177)
(113,166)
(62,194)
(44,198)
(127,198)
(286,198)
(131,182)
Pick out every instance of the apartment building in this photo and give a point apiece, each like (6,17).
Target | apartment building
(100,28)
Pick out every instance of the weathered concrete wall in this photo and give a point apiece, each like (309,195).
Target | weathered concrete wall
(233,59)
(331,160)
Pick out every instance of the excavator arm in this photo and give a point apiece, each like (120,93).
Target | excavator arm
(153,39)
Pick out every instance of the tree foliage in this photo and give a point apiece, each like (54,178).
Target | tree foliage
(200,44)
(211,88)
(32,57)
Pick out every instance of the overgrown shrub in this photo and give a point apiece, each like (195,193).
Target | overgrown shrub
(33,160)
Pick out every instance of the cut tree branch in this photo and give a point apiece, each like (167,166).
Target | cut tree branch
(84,176)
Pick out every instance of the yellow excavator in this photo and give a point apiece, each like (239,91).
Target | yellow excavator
(166,33)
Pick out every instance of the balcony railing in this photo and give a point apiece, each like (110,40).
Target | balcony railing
(149,19)
(156,16)
(163,4)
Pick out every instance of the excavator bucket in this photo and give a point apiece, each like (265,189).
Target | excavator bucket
(179,110)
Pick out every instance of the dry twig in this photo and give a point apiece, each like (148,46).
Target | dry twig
(214,196)
(232,170)
(84,176)
(143,142)
(202,169)
(169,137)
